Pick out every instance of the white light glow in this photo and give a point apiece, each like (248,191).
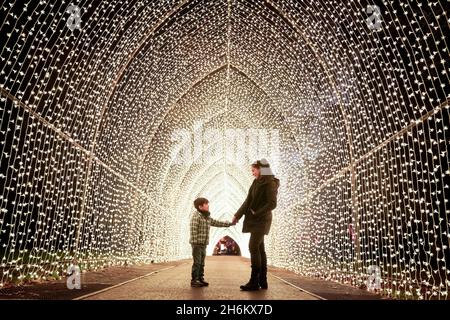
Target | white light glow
(89,112)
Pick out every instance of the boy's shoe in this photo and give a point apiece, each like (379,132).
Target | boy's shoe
(196,284)
(202,280)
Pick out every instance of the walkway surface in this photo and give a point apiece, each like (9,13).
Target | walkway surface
(224,274)
(171,281)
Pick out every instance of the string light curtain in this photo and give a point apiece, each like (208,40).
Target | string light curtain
(359,107)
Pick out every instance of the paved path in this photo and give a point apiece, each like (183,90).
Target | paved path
(170,281)
(224,274)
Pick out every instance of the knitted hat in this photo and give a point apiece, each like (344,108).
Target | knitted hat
(264,166)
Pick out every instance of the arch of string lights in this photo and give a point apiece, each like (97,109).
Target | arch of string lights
(362,114)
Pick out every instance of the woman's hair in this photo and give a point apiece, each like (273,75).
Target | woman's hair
(199,202)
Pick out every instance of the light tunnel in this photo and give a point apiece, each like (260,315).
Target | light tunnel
(112,127)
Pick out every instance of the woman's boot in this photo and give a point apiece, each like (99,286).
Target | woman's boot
(263,278)
(253,283)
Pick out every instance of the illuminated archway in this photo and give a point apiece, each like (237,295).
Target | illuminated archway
(353,109)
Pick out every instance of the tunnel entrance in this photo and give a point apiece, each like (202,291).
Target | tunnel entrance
(105,141)
(226,246)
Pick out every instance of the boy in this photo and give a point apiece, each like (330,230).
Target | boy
(200,224)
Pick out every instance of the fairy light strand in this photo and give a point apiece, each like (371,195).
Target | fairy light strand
(87,152)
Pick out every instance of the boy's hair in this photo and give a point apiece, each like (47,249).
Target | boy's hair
(199,202)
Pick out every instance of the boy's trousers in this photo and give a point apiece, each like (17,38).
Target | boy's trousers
(199,254)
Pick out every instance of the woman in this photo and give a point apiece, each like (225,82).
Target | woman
(257,208)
